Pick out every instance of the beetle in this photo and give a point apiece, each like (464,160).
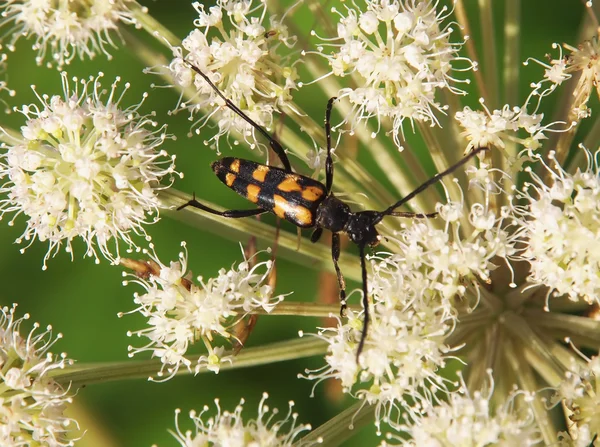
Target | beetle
(308,203)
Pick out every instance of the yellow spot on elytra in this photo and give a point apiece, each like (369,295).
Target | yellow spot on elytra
(303,216)
(289,184)
(260,173)
(235,166)
(312,193)
(281,205)
(253,191)
(229,179)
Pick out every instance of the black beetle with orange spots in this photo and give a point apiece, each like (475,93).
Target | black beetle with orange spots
(308,203)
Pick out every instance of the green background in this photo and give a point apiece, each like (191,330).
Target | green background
(81,299)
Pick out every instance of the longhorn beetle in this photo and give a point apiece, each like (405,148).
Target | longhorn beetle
(308,203)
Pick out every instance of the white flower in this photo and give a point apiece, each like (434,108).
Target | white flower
(578,393)
(242,59)
(84,167)
(229,429)
(181,313)
(556,70)
(32,404)
(413,292)
(467,421)
(66,29)
(560,228)
(401,52)
(494,129)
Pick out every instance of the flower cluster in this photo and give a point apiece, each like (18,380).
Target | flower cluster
(32,404)
(414,291)
(181,313)
(494,129)
(401,53)
(229,429)
(242,61)
(558,224)
(84,167)
(466,420)
(65,30)
(578,394)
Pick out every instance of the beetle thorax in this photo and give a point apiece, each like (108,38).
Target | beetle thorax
(333,214)
(361,228)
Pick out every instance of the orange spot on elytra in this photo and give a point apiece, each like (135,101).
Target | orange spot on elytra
(281,206)
(260,173)
(289,184)
(229,179)
(235,166)
(303,215)
(312,193)
(253,191)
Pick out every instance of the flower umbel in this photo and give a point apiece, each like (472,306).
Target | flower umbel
(401,54)
(559,225)
(415,290)
(244,62)
(229,429)
(180,313)
(65,29)
(32,404)
(84,167)
(579,394)
(467,420)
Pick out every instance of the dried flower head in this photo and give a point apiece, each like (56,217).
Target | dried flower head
(181,313)
(229,429)
(240,54)
(84,167)
(32,404)
(585,60)
(401,54)
(65,29)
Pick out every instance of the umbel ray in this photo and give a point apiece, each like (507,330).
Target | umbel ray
(308,203)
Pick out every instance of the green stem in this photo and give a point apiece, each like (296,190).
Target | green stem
(535,348)
(565,324)
(465,29)
(82,374)
(341,427)
(153,26)
(490,67)
(528,383)
(307,309)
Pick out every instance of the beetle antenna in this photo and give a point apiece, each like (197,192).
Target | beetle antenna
(275,145)
(433,180)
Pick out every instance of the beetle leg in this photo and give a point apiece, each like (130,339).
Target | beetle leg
(329,161)
(335,255)
(365,302)
(235,214)
(316,235)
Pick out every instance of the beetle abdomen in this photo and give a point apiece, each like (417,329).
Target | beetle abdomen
(292,197)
